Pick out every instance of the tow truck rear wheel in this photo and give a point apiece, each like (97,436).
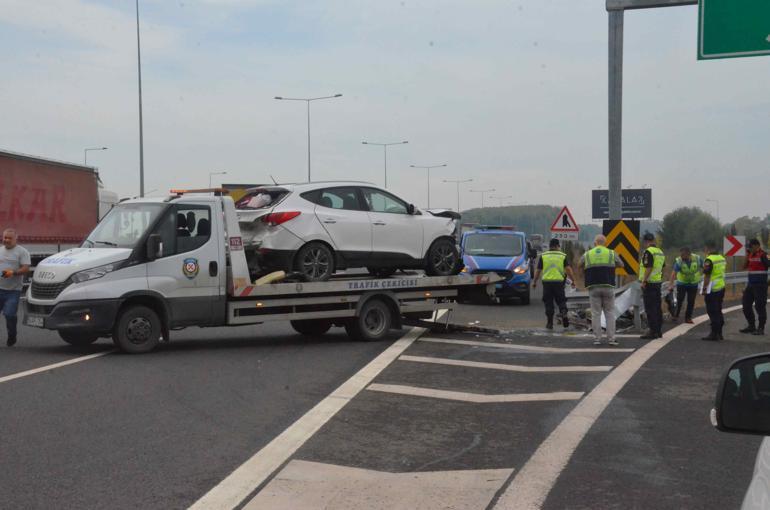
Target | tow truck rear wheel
(78,338)
(137,330)
(311,327)
(372,324)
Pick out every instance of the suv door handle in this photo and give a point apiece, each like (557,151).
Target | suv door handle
(330,221)
(213,268)
(379,223)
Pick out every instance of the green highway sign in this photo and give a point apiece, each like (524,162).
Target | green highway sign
(733,28)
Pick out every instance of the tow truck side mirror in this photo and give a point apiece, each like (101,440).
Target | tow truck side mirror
(743,397)
(410,209)
(154,247)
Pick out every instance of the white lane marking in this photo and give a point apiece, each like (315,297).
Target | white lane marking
(315,486)
(53,366)
(231,491)
(475,398)
(532,348)
(531,485)
(502,366)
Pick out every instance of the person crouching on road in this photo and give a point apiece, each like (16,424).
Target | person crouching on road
(714,290)
(756,291)
(651,276)
(14,262)
(555,267)
(599,264)
(687,273)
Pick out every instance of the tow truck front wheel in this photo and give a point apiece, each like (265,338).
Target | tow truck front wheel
(78,338)
(372,324)
(137,330)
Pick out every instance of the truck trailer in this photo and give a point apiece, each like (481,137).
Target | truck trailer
(52,205)
(138,276)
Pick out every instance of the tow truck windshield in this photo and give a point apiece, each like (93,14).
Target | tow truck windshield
(123,226)
(493,245)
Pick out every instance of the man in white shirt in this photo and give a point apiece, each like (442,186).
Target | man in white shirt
(14,263)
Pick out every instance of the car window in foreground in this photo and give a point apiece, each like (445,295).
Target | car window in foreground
(493,245)
(379,201)
(335,198)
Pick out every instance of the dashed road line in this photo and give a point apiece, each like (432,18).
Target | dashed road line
(475,398)
(53,366)
(502,366)
(531,348)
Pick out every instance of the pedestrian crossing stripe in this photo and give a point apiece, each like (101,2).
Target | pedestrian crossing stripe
(623,237)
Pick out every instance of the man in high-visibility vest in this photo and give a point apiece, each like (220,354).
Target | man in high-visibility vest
(714,289)
(554,267)
(688,268)
(599,264)
(651,276)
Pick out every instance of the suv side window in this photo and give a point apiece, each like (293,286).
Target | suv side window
(381,201)
(336,198)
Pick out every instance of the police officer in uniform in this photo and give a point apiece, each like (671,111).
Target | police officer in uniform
(687,273)
(714,290)
(756,291)
(554,267)
(651,276)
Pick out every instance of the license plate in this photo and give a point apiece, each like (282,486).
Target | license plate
(34,321)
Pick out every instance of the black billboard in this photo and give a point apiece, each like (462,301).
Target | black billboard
(637,203)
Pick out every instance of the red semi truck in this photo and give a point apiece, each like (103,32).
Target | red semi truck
(51,204)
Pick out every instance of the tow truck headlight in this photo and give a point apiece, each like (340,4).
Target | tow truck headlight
(95,272)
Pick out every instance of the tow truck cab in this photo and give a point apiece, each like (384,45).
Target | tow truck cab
(501,250)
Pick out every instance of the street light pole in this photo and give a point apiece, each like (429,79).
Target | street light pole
(385,153)
(428,167)
(717,204)
(458,182)
(482,191)
(85,153)
(141,134)
(215,173)
(307,100)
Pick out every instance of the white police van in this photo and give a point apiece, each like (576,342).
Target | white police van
(153,265)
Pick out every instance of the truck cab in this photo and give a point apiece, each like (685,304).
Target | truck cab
(501,250)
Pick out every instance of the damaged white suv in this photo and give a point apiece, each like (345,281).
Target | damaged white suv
(318,228)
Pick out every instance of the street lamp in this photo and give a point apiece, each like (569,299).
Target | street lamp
(717,203)
(215,173)
(139,75)
(501,198)
(85,153)
(385,152)
(482,191)
(458,182)
(428,167)
(307,100)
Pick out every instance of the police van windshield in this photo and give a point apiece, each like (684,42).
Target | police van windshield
(123,226)
(493,245)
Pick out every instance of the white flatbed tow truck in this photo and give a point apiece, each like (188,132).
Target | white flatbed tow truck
(138,276)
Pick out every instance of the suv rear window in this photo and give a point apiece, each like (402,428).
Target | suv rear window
(261,199)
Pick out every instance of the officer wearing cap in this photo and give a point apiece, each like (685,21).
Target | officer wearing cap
(554,267)
(651,277)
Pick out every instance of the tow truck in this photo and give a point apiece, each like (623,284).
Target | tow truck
(154,265)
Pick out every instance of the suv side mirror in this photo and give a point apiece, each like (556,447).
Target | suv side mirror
(743,397)
(154,247)
(410,208)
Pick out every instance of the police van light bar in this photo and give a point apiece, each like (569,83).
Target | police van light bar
(495,227)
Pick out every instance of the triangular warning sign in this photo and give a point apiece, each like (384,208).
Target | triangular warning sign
(564,222)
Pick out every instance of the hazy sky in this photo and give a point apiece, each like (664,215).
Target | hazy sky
(510,93)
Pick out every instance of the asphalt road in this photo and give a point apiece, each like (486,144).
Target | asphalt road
(160,430)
